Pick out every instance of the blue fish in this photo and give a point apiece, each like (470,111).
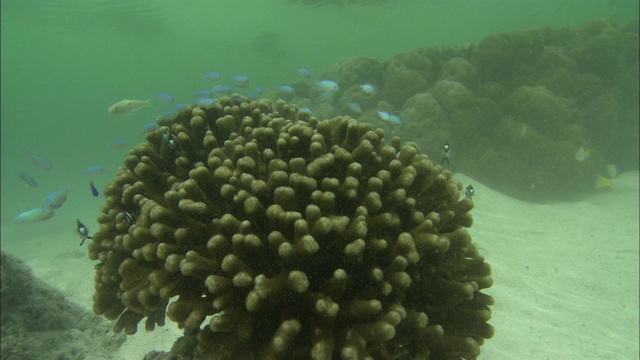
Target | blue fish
(56,198)
(259,90)
(329,86)
(94,170)
(355,107)
(326,94)
(181,106)
(94,191)
(223,89)
(241,81)
(203,93)
(212,76)
(28,179)
(304,72)
(286,89)
(388,117)
(241,98)
(368,89)
(165,98)
(117,144)
(149,127)
(305,110)
(40,162)
(204,102)
(33,215)
(168,115)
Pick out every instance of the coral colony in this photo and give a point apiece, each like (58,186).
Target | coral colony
(285,237)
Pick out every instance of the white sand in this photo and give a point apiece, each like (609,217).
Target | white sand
(565,274)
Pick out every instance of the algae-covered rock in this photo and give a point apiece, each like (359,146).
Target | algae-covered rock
(39,323)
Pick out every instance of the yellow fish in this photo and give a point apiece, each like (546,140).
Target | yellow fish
(620,182)
(127,106)
(603,182)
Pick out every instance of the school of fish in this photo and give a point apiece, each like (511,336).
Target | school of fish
(240,85)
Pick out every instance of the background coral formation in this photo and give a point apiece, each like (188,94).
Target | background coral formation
(39,323)
(515,108)
(269,234)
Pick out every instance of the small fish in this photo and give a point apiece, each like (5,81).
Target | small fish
(258,90)
(212,76)
(446,150)
(468,193)
(241,81)
(40,162)
(127,106)
(305,110)
(523,132)
(355,107)
(149,127)
(285,89)
(203,93)
(94,170)
(304,113)
(168,115)
(33,215)
(129,218)
(326,95)
(82,231)
(181,106)
(612,170)
(223,89)
(581,154)
(117,144)
(395,119)
(94,191)
(329,86)
(384,115)
(28,179)
(603,182)
(625,182)
(388,117)
(165,98)
(240,98)
(56,198)
(205,102)
(171,141)
(304,72)
(368,89)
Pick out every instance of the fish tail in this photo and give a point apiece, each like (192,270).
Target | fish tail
(602,182)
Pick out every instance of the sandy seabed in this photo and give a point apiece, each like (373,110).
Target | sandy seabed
(565,274)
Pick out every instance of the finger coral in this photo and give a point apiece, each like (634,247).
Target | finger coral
(271,237)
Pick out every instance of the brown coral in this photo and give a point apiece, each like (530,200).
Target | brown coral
(290,239)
